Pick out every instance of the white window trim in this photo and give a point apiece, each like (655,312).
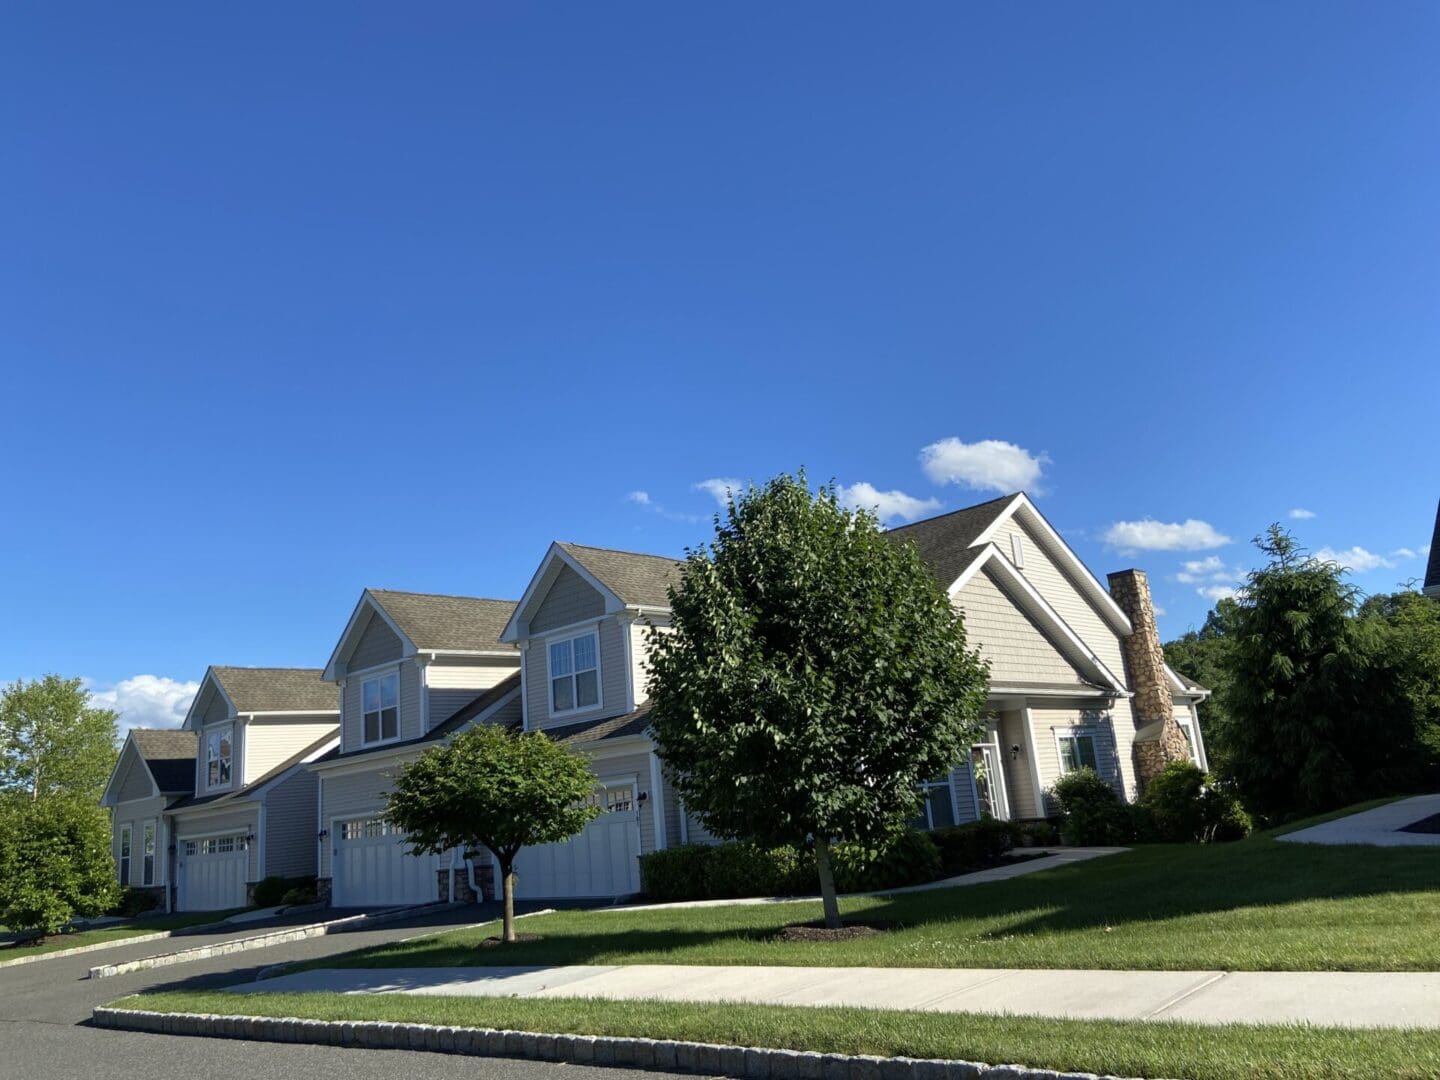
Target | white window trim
(220,730)
(125,861)
(1187,728)
(925,786)
(557,639)
(1087,731)
(153,829)
(375,677)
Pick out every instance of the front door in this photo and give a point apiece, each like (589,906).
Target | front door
(985,764)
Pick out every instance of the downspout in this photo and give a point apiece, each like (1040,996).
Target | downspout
(474,885)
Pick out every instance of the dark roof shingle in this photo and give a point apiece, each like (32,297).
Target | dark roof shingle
(433,621)
(614,727)
(633,577)
(944,541)
(260,689)
(170,756)
(1432,567)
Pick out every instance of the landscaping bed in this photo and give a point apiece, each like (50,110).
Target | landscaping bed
(1135,1048)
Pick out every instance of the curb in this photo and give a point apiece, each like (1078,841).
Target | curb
(261,941)
(710,1059)
(138,939)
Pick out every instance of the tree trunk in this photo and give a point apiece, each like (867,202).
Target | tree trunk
(507,891)
(827,884)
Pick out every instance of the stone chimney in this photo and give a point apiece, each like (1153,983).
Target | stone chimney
(1158,738)
(1432,568)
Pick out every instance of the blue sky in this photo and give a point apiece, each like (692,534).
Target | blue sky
(300,299)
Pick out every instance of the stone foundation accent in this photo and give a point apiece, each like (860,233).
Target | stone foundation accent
(322,890)
(464,894)
(1159,739)
(485,875)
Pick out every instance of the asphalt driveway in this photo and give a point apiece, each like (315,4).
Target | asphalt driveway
(45,1008)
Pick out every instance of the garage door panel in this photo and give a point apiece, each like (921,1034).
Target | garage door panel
(602,861)
(211,873)
(371,865)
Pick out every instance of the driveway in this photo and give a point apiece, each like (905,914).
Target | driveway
(1381,827)
(45,1008)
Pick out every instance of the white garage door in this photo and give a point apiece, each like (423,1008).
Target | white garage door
(602,861)
(211,873)
(371,866)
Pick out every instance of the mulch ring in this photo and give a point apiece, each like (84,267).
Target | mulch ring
(817,931)
(496,941)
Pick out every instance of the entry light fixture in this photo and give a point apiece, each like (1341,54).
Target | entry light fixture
(1015,751)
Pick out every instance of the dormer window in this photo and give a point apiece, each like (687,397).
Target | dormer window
(380,699)
(217,757)
(575,673)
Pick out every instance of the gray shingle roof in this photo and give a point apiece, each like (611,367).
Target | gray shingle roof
(259,781)
(170,756)
(1432,568)
(614,727)
(944,541)
(277,689)
(432,621)
(634,578)
(1189,683)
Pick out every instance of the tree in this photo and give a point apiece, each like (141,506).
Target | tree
(53,741)
(494,789)
(814,675)
(1409,623)
(1316,714)
(1200,654)
(55,861)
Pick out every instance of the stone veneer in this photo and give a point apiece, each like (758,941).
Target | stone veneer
(1158,740)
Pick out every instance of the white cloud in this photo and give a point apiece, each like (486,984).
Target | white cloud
(1404,553)
(1210,568)
(1299,514)
(146,701)
(639,498)
(1218,592)
(1151,535)
(887,505)
(1160,610)
(720,487)
(987,465)
(1354,558)
(643,500)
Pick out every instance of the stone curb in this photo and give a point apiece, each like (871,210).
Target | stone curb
(740,1062)
(138,939)
(261,941)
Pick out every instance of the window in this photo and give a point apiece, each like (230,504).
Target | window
(939,808)
(147,854)
(218,845)
(1189,732)
(615,798)
(191,847)
(380,700)
(217,758)
(1077,751)
(575,673)
(124,854)
(366,829)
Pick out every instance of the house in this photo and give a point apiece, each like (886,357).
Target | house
(200,815)
(1432,565)
(411,669)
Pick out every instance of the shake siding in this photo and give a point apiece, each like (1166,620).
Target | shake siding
(378,644)
(237,823)
(569,600)
(352,795)
(634,767)
(672,809)
(351,703)
(269,743)
(612,678)
(1017,650)
(290,825)
(136,813)
(1047,752)
(135,783)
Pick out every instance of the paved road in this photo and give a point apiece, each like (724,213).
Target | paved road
(44,1009)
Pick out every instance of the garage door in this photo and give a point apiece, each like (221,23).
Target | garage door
(371,866)
(602,861)
(211,873)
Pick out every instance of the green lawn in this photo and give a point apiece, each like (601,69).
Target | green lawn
(117,933)
(1256,905)
(1183,1051)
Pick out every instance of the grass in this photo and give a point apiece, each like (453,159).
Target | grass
(1125,1048)
(1255,905)
(116,933)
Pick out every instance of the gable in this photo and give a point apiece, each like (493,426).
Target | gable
(376,644)
(211,706)
(1017,649)
(132,779)
(570,599)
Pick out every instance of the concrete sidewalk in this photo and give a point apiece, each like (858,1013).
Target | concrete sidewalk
(1342,999)
(1379,827)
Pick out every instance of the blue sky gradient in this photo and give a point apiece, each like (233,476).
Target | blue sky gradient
(300,300)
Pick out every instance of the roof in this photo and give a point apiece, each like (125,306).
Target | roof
(592,731)
(1432,568)
(1189,683)
(643,580)
(944,541)
(170,757)
(259,781)
(449,725)
(266,689)
(435,621)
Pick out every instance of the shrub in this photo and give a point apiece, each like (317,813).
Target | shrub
(136,902)
(1185,805)
(744,869)
(912,858)
(272,891)
(1044,833)
(299,895)
(975,845)
(676,873)
(1093,813)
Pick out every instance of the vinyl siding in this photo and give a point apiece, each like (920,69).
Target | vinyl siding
(452,686)
(378,644)
(213,709)
(1018,651)
(290,825)
(238,822)
(672,809)
(570,599)
(1047,754)
(136,813)
(410,720)
(613,673)
(639,650)
(350,795)
(134,782)
(269,743)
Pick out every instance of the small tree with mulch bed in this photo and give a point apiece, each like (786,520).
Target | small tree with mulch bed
(814,676)
(494,789)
